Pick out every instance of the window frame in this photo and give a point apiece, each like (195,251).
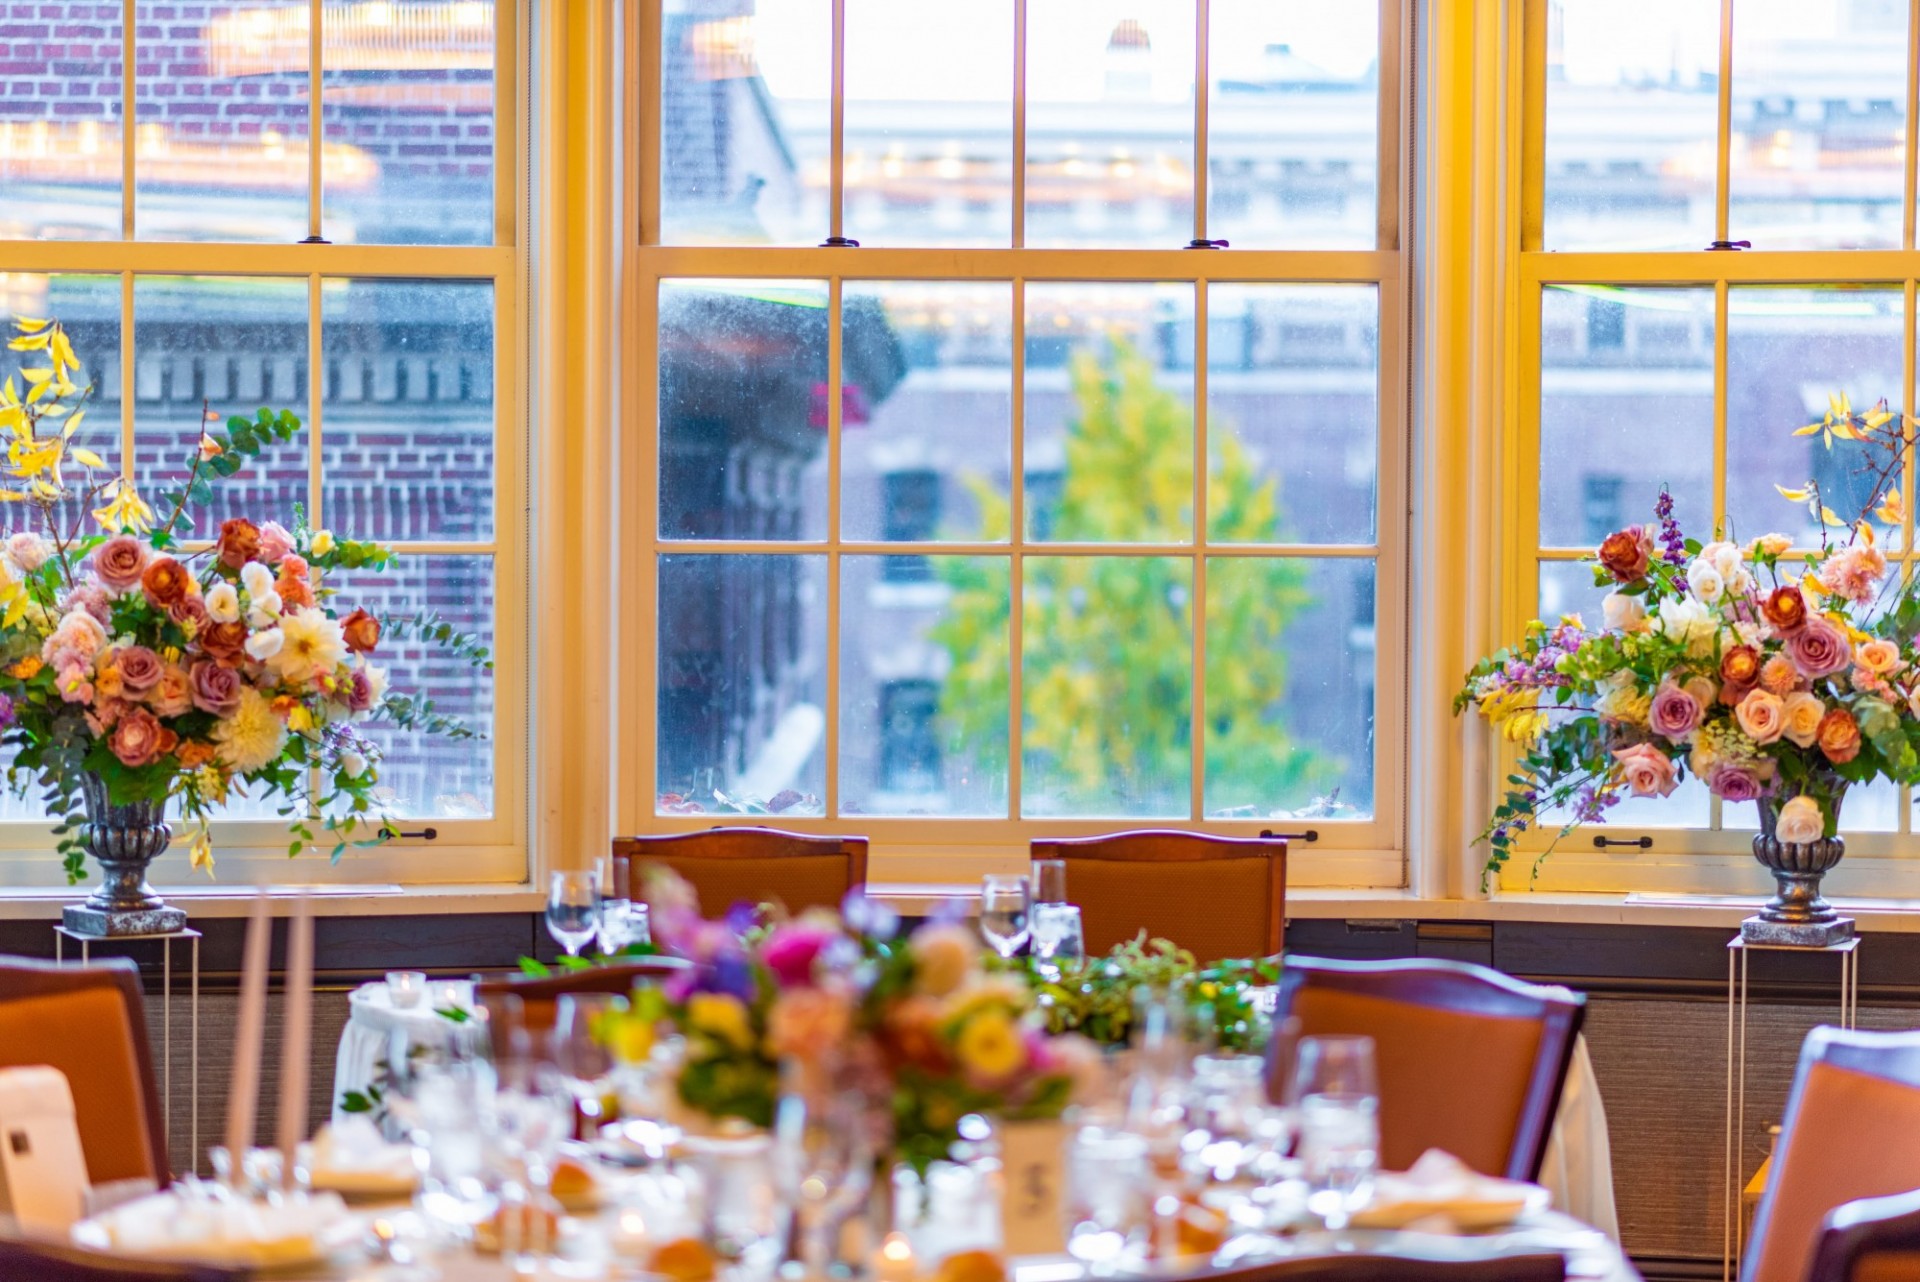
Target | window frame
(1681,860)
(462,852)
(1368,853)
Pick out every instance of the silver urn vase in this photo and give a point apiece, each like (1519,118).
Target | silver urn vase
(1797,916)
(123,840)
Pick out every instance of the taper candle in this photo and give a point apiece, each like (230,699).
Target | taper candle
(297,1041)
(244,1091)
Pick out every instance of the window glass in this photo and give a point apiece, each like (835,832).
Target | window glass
(60,114)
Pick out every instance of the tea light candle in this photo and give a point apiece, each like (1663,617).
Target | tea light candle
(405,988)
(893,1262)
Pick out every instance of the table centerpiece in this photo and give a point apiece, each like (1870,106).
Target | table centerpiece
(139,668)
(1772,674)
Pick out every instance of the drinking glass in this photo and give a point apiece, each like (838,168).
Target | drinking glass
(1109,1198)
(581,1052)
(573,909)
(1003,913)
(1336,1092)
(1058,937)
(622,922)
(1049,881)
(823,1156)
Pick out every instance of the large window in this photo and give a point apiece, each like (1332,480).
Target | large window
(1071,496)
(160,193)
(1720,235)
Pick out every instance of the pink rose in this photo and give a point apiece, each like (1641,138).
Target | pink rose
(1818,648)
(360,691)
(1645,769)
(1763,715)
(1736,783)
(140,668)
(1880,657)
(214,687)
(119,562)
(275,542)
(1674,714)
(139,738)
(190,613)
(173,696)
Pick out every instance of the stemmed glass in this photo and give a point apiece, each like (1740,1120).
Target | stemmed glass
(1336,1091)
(1003,913)
(823,1155)
(573,909)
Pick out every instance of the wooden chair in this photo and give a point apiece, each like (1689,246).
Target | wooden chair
(540,995)
(90,1022)
(48,1262)
(726,866)
(1872,1239)
(1852,1130)
(1470,1060)
(1216,897)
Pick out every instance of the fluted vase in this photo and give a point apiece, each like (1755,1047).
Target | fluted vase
(1797,915)
(123,840)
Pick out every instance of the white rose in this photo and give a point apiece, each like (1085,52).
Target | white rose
(264,645)
(223,603)
(29,551)
(1623,613)
(1688,621)
(1706,582)
(265,611)
(352,764)
(256,578)
(1724,557)
(1800,822)
(322,542)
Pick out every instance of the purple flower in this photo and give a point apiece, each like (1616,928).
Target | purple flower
(1672,543)
(1818,648)
(1674,714)
(6,712)
(791,950)
(1736,783)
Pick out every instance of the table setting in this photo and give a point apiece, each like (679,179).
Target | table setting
(833,1095)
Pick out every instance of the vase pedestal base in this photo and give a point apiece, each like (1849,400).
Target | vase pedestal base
(1789,934)
(111,923)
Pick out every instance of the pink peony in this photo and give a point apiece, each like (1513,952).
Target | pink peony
(1819,648)
(92,598)
(119,562)
(1674,714)
(1648,771)
(275,542)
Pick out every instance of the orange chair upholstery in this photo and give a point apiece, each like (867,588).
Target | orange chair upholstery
(540,995)
(727,866)
(1873,1239)
(50,1262)
(1852,1130)
(1470,1060)
(1216,897)
(90,1022)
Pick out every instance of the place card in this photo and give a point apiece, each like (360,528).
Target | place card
(1033,1192)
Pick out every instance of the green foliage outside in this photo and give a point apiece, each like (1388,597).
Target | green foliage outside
(1107,641)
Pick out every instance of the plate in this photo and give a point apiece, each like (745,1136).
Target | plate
(1491,1204)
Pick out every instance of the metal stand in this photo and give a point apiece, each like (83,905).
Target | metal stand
(192,937)
(1739,950)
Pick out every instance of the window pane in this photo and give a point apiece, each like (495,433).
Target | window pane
(1106,662)
(1290,688)
(926,441)
(1632,123)
(221,121)
(1110,122)
(1626,407)
(1819,124)
(929,127)
(407,125)
(432,776)
(923,685)
(1788,350)
(60,112)
(1293,125)
(744,407)
(234,345)
(744,139)
(1566,587)
(407,440)
(1293,412)
(741,726)
(1109,413)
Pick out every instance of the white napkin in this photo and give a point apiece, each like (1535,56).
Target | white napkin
(351,1156)
(1440,1191)
(207,1228)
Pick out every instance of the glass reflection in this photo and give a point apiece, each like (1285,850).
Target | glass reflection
(60,156)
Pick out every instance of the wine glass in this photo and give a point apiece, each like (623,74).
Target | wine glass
(580,1048)
(1058,937)
(1336,1091)
(823,1155)
(573,909)
(1049,881)
(1003,913)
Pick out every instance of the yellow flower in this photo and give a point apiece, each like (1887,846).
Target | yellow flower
(126,512)
(200,853)
(989,1046)
(27,668)
(722,1017)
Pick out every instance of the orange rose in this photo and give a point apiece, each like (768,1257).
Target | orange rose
(193,754)
(362,631)
(166,581)
(1739,666)
(1839,736)
(239,542)
(295,591)
(1627,553)
(1785,608)
(226,642)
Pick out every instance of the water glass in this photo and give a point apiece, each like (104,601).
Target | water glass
(1058,937)
(1110,1190)
(742,1217)
(622,923)
(1003,913)
(823,1156)
(1049,881)
(573,909)
(1335,1089)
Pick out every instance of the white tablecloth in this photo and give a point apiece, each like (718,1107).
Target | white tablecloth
(373,1020)
(1578,1164)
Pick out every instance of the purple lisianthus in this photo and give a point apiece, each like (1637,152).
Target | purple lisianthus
(791,950)
(1736,783)
(1674,714)
(1818,648)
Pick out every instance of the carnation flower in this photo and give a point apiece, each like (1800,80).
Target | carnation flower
(1854,573)
(79,634)
(1800,822)
(253,736)
(1779,676)
(1773,545)
(92,598)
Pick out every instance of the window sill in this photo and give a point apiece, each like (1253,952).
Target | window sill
(370,900)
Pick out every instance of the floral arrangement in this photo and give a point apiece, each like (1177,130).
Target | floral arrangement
(1095,998)
(169,670)
(918,1016)
(1770,674)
